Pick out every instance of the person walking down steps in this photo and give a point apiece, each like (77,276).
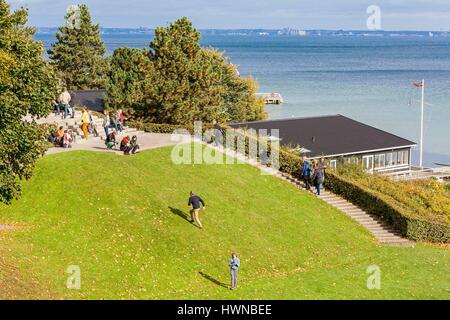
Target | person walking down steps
(306,173)
(85,123)
(234,263)
(317,178)
(195,201)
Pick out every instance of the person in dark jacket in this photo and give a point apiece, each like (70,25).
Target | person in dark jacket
(317,178)
(111,139)
(195,201)
(306,173)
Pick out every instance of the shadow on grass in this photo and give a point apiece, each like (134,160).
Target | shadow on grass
(183,215)
(215,281)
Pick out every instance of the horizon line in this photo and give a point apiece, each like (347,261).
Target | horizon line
(272,29)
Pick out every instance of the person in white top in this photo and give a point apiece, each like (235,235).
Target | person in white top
(64,100)
(67,140)
(106,122)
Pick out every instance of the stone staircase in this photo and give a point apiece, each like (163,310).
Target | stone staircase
(75,124)
(385,234)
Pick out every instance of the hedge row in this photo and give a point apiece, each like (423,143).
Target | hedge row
(161,128)
(372,201)
(383,206)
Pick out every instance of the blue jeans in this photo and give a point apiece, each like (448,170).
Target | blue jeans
(318,185)
(57,108)
(66,110)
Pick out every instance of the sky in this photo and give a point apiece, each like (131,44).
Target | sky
(234,14)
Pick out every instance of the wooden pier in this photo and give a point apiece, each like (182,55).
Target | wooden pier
(271,98)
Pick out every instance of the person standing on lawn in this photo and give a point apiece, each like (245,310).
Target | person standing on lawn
(195,201)
(234,263)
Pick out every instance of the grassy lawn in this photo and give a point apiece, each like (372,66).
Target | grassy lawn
(121,220)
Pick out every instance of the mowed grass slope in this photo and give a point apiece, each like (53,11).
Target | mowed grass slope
(122,220)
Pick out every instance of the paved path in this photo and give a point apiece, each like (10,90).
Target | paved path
(384,234)
(146,140)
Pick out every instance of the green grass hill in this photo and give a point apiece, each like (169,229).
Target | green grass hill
(123,221)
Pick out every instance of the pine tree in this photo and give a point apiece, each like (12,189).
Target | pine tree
(79,50)
(184,86)
(27,86)
(128,67)
(179,82)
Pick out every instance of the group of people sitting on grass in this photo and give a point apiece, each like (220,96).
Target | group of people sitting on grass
(313,174)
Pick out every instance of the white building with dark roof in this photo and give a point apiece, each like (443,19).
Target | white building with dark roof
(341,139)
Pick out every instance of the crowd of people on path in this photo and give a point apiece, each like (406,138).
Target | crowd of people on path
(114,121)
(113,125)
(313,174)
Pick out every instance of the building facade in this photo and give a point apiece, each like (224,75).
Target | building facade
(339,139)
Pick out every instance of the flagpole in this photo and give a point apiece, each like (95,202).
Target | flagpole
(421,124)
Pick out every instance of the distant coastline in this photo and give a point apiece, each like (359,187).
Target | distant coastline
(292,32)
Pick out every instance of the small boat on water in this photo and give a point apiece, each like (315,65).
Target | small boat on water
(271,98)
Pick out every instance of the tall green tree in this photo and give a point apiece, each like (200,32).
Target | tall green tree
(128,69)
(27,86)
(184,86)
(78,53)
(179,82)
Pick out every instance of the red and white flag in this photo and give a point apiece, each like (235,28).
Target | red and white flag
(418,84)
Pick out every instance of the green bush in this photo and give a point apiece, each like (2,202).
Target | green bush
(395,213)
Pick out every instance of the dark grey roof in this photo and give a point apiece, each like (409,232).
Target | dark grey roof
(329,135)
(91,99)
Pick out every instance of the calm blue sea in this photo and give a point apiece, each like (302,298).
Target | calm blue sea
(366,78)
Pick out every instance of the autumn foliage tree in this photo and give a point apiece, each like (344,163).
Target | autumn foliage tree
(27,86)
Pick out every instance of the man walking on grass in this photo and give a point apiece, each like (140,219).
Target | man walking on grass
(195,201)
